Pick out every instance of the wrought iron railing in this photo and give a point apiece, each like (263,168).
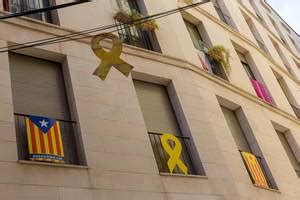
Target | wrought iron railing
(259,159)
(162,156)
(134,36)
(213,67)
(17,6)
(67,129)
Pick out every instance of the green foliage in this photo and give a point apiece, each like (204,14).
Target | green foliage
(221,55)
(148,25)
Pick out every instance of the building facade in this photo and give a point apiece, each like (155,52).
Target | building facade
(111,131)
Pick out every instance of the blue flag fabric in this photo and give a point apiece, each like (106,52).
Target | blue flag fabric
(43,123)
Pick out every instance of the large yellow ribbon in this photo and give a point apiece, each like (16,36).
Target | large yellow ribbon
(174,153)
(111,58)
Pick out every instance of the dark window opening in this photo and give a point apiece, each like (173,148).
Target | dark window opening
(133,35)
(17,6)
(160,118)
(37,94)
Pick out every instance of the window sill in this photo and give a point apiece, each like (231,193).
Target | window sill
(269,189)
(184,176)
(27,162)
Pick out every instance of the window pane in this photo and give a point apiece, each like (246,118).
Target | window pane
(194,34)
(236,130)
(289,151)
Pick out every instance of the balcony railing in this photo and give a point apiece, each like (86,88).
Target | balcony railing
(134,36)
(296,110)
(211,66)
(67,129)
(17,6)
(257,172)
(162,156)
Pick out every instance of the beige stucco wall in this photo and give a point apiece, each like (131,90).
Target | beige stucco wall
(121,164)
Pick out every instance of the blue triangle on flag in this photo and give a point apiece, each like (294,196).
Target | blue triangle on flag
(43,123)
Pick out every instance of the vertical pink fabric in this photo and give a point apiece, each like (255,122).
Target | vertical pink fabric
(257,89)
(266,94)
(261,91)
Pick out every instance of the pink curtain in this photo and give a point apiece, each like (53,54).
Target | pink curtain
(262,91)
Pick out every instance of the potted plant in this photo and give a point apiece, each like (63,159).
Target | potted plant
(220,55)
(123,17)
(144,25)
(149,25)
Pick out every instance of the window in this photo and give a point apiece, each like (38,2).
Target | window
(282,56)
(258,14)
(223,17)
(260,88)
(286,28)
(195,35)
(199,44)
(255,165)
(133,35)
(287,93)
(160,118)
(16,6)
(278,30)
(38,90)
(254,31)
(294,43)
(246,66)
(236,130)
(289,151)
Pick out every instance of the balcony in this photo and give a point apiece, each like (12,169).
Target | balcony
(17,6)
(133,35)
(67,130)
(256,170)
(211,66)
(162,157)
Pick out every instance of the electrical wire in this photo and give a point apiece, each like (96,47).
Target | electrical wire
(144,19)
(46,9)
(74,36)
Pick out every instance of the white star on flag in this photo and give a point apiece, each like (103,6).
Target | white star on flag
(44,123)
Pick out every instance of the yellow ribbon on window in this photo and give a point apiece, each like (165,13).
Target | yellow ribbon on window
(174,153)
(111,58)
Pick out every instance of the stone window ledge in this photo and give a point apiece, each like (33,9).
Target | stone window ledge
(269,189)
(28,162)
(184,176)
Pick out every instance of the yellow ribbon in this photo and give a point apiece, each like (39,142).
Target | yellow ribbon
(174,153)
(111,58)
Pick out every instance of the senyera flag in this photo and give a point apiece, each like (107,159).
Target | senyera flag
(44,139)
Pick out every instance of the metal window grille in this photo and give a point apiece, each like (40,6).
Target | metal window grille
(259,159)
(17,6)
(134,36)
(162,156)
(67,133)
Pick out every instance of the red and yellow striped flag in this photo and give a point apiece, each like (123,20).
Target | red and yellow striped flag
(44,139)
(255,170)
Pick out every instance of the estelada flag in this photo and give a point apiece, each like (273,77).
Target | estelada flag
(255,170)
(44,139)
